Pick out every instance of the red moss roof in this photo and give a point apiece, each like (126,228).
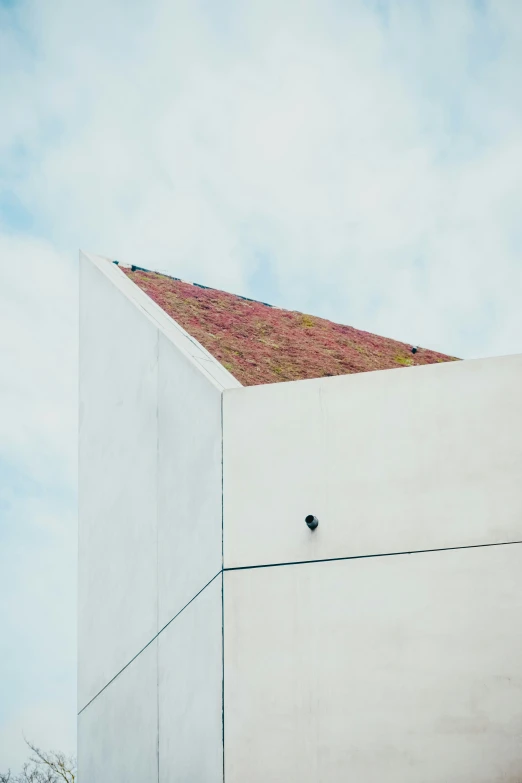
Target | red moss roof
(258,343)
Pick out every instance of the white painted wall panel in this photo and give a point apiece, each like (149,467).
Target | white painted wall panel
(117,481)
(118,731)
(398,460)
(190,692)
(189,480)
(405,668)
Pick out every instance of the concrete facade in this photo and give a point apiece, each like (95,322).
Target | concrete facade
(390,461)
(221,639)
(403,668)
(150,534)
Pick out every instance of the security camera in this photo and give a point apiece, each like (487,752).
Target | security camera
(311,521)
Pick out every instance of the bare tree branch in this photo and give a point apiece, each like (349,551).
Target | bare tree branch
(43,767)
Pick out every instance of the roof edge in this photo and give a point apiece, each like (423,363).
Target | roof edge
(207,364)
(135,268)
(379,376)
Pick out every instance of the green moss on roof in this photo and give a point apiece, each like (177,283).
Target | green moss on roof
(262,344)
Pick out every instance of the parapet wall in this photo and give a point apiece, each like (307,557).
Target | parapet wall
(391,461)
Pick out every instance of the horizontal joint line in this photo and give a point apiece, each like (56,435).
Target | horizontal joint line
(366,557)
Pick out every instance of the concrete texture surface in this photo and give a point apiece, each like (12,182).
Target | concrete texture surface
(398,460)
(405,668)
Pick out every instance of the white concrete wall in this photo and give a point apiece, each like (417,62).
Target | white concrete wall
(401,667)
(190,692)
(391,461)
(376,666)
(405,669)
(150,510)
(118,731)
(189,480)
(160,719)
(117,482)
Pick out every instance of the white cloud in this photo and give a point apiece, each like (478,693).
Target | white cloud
(37,610)
(353,147)
(361,160)
(38,336)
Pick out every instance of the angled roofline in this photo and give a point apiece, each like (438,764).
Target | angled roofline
(196,354)
(135,268)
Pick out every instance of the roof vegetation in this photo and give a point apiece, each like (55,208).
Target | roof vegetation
(262,344)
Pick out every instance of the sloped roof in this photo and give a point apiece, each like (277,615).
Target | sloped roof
(259,343)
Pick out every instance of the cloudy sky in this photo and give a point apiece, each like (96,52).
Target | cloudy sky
(358,159)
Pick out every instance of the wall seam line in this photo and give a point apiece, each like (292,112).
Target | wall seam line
(157,544)
(222,591)
(149,642)
(367,557)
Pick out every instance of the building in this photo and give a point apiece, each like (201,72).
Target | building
(221,637)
